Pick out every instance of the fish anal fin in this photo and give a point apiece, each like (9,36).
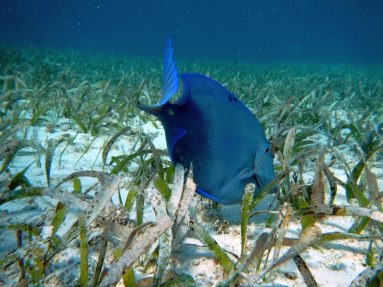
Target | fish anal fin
(207,195)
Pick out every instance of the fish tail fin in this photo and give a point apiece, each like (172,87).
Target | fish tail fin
(169,74)
(169,81)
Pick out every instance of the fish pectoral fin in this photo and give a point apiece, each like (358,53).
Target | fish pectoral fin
(172,138)
(249,173)
(246,173)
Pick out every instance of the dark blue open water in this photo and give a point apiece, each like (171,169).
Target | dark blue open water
(278,30)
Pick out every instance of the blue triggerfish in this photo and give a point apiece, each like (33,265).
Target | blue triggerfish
(211,129)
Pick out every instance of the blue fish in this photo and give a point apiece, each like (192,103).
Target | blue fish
(211,129)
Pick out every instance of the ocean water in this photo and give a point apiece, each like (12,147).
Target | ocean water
(89,195)
(265,31)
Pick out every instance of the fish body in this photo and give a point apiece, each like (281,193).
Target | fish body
(213,130)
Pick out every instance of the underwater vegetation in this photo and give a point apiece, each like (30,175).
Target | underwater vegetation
(89,197)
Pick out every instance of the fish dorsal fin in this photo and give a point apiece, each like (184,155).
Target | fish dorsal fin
(195,85)
(169,74)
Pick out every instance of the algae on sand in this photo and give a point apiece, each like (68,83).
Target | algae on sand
(325,126)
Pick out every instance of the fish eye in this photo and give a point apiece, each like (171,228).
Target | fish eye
(267,149)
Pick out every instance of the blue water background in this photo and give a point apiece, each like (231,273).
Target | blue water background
(348,31)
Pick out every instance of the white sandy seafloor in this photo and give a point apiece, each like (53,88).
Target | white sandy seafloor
(335,265)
